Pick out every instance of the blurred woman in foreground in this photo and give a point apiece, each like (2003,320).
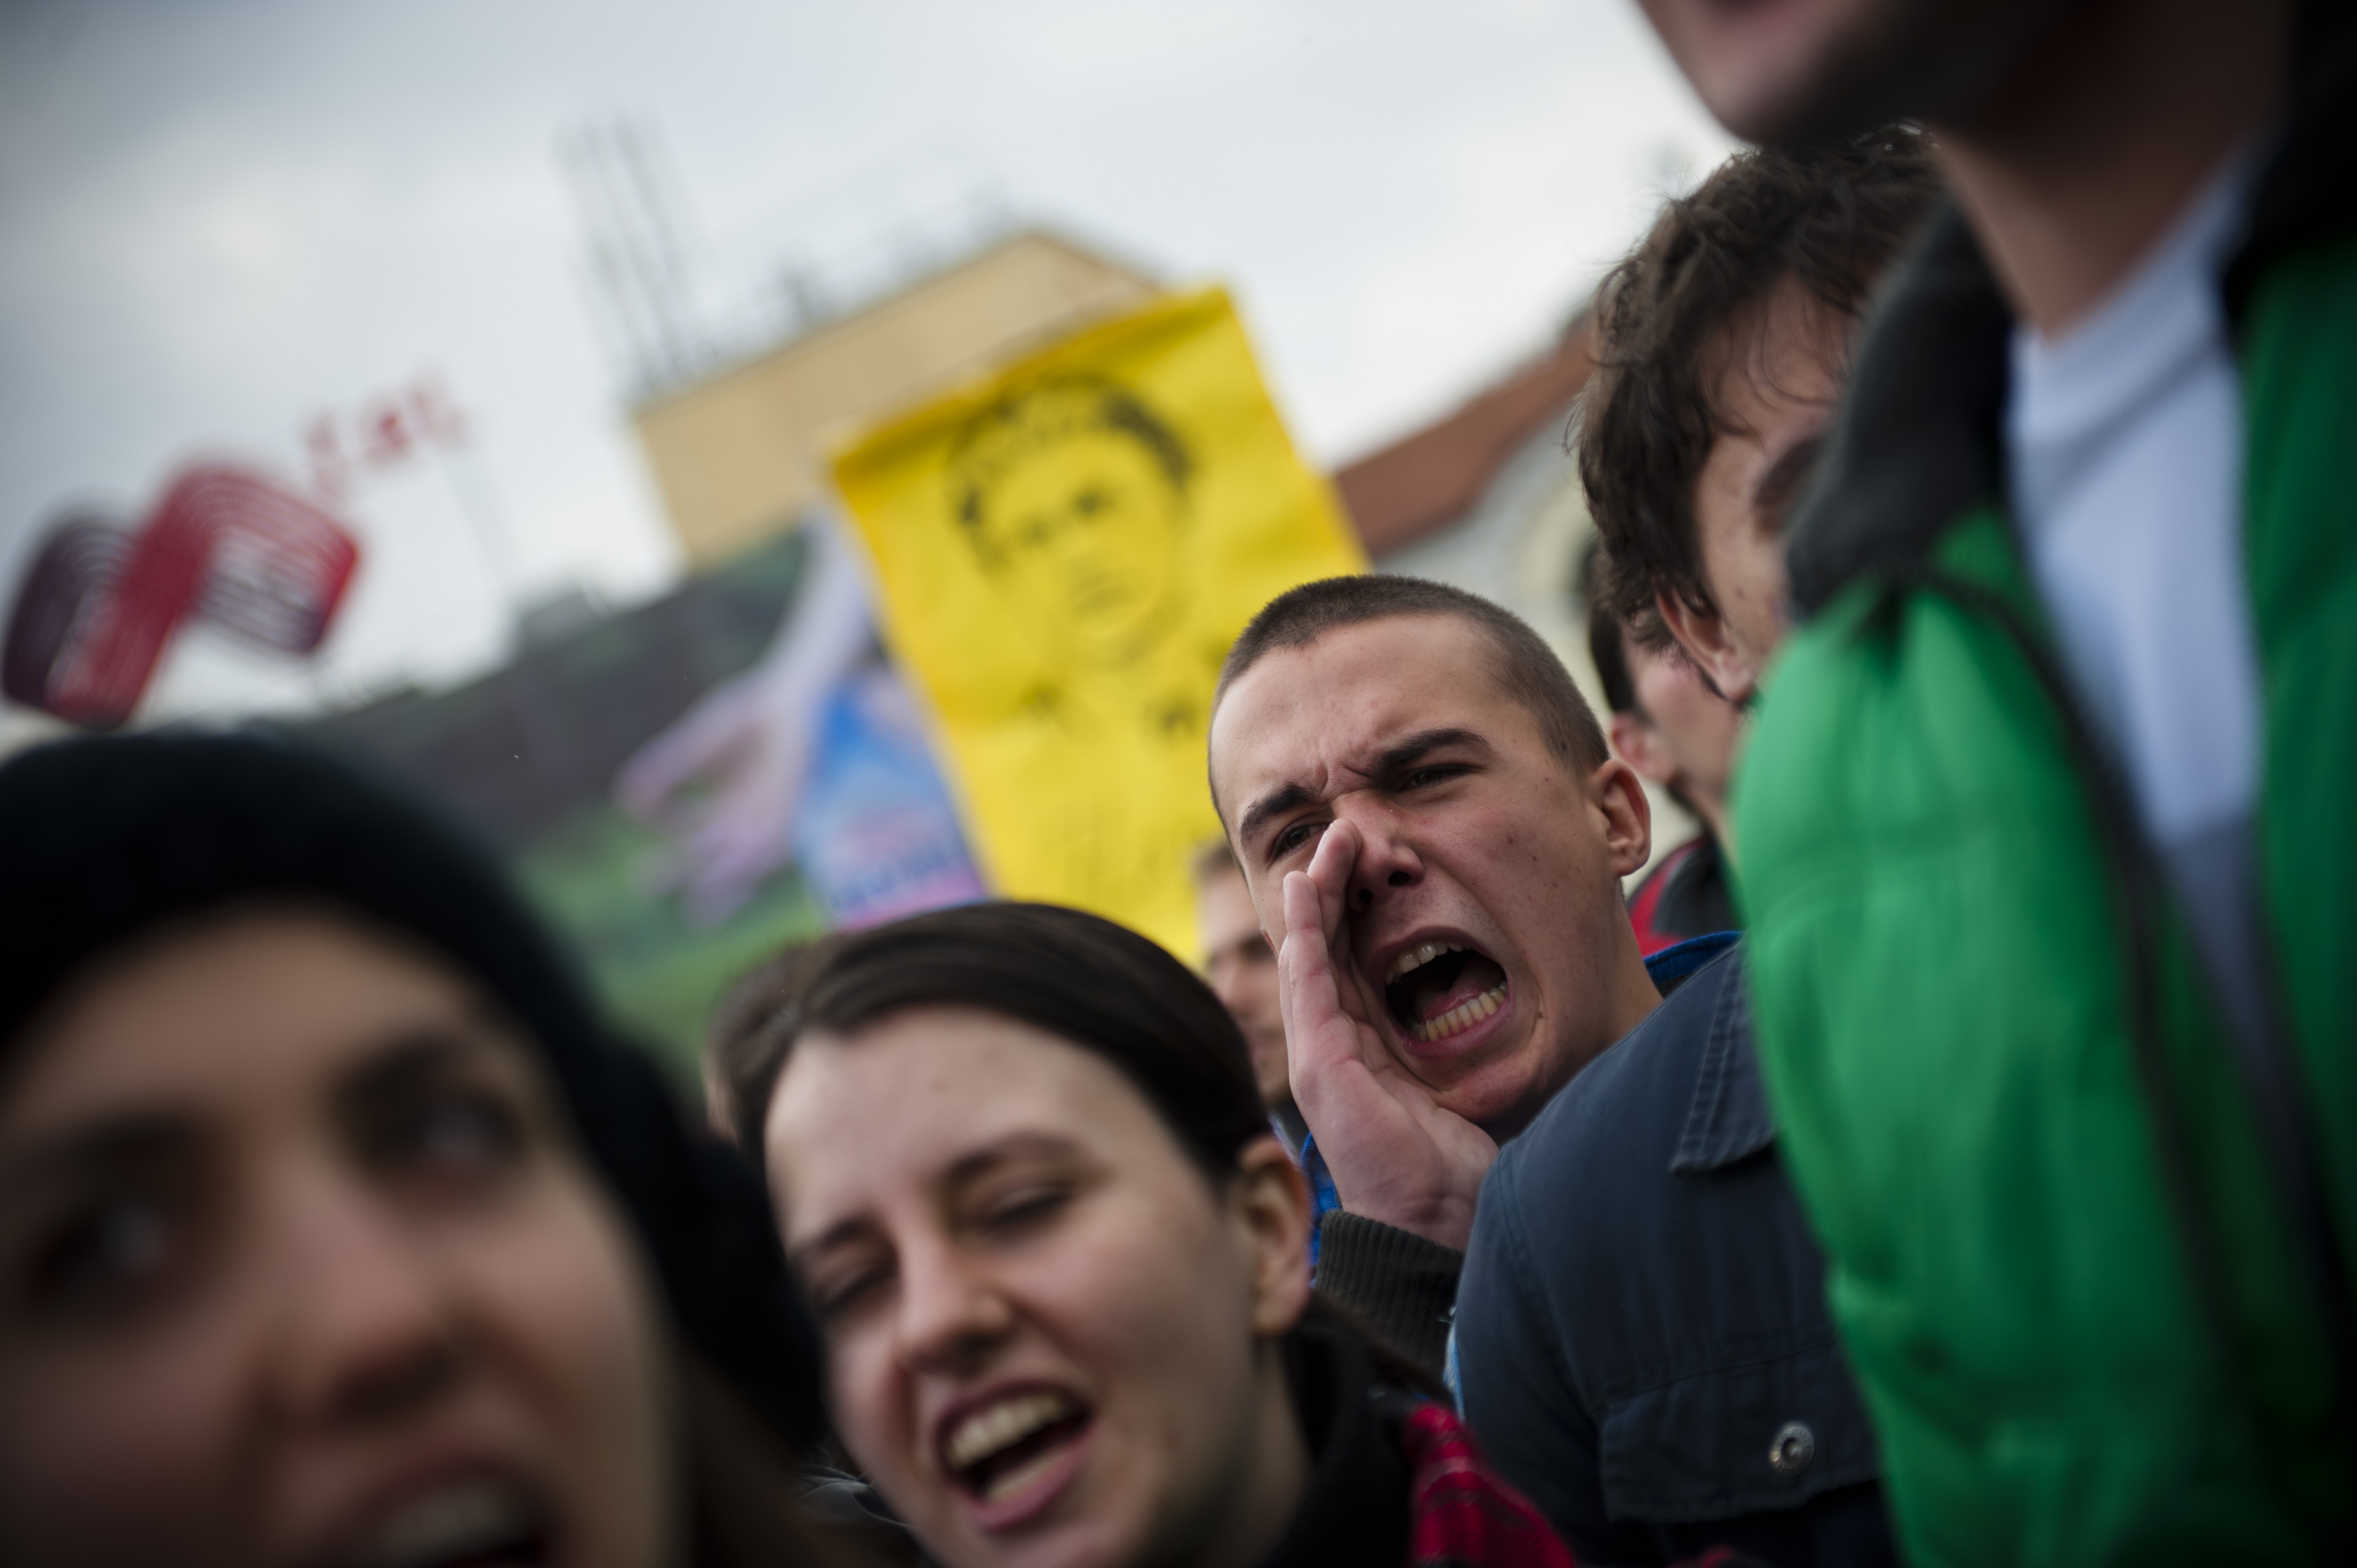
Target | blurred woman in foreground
(1059,1262)
(333,1231)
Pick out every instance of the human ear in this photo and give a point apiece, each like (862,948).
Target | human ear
(1270,1202)
(1639,744)
(1705,636)
(1619,800)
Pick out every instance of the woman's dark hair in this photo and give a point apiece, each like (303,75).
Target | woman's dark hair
(1083,979)
(1831,218)
(106,841)
(740,1044)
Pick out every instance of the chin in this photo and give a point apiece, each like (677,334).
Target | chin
(1501,1106)
(1790,71)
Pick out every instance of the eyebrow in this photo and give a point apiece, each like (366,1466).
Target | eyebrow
(1269,806)
(1400,754)
(148,1135)
(125,1139)
(1773,492)
(961,1171)
(1407,752)
(410,1058)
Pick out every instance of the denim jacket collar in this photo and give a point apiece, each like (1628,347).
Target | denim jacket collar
(1728,1119)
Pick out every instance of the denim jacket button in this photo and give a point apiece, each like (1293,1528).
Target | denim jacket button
(1793,1450)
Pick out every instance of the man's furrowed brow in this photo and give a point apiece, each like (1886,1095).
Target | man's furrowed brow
(1269,807)
(1407,752)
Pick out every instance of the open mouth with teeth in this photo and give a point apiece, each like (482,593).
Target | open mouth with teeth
(998,1451)
(1436,990)
(479,1522)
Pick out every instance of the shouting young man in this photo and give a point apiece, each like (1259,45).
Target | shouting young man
(2044,829)
(1463,949)
(1426,814)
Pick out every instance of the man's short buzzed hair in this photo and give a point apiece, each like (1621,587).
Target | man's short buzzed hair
(1526,669)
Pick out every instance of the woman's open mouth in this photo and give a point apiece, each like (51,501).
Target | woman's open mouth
(477,1521)
(1012,1452)
(1436,990)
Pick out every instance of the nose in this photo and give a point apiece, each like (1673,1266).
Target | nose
(1387,858)
(367,1326)
(951,1315)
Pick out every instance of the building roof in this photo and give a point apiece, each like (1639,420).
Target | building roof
(1422,482)
(741,455)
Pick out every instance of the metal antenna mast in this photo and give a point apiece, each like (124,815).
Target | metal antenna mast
(631,208)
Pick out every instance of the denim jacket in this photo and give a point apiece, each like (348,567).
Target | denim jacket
(1642,1333)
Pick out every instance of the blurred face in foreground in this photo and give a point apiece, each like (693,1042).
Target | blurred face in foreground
(298,1265)
(1797,70)
(1484,930)
(1053,1338)
(1242,967)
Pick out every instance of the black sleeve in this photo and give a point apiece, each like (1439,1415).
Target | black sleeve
(1401,1285)
(1515,1384)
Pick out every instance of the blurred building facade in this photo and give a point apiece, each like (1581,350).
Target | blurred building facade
(740,454)
(1485,497)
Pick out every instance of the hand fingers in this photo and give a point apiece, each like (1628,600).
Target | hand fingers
(1307,996)
(1303,955)
(1335,861)
(1330,872)
(1330,866)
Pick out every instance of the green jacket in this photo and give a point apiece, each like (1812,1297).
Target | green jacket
(2067,1252)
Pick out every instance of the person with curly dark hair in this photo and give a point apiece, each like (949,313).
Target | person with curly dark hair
(1705,1391)
(1722,346)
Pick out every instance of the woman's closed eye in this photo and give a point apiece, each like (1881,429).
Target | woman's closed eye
(839,1288)
(1022,1209)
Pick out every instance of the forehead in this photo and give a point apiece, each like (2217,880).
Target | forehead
(901,1101)
(1781,357)
(243,1010)
(1300,715)
(1088,454)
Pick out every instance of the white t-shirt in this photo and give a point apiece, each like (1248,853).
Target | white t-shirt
(2125,441)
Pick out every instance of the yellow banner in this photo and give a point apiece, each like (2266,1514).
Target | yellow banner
(1063,556)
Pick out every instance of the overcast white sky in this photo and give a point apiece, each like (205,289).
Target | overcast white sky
(219,220)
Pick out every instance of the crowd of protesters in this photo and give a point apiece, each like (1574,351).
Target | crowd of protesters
(1948,1157)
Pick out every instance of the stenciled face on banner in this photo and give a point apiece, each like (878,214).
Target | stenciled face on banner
(1074,495)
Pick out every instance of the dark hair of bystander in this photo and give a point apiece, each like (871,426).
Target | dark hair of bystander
(1831,218)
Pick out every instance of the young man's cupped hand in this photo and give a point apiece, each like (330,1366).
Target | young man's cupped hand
(1396,1155)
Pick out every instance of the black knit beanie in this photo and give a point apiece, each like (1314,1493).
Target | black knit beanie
(102,840)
